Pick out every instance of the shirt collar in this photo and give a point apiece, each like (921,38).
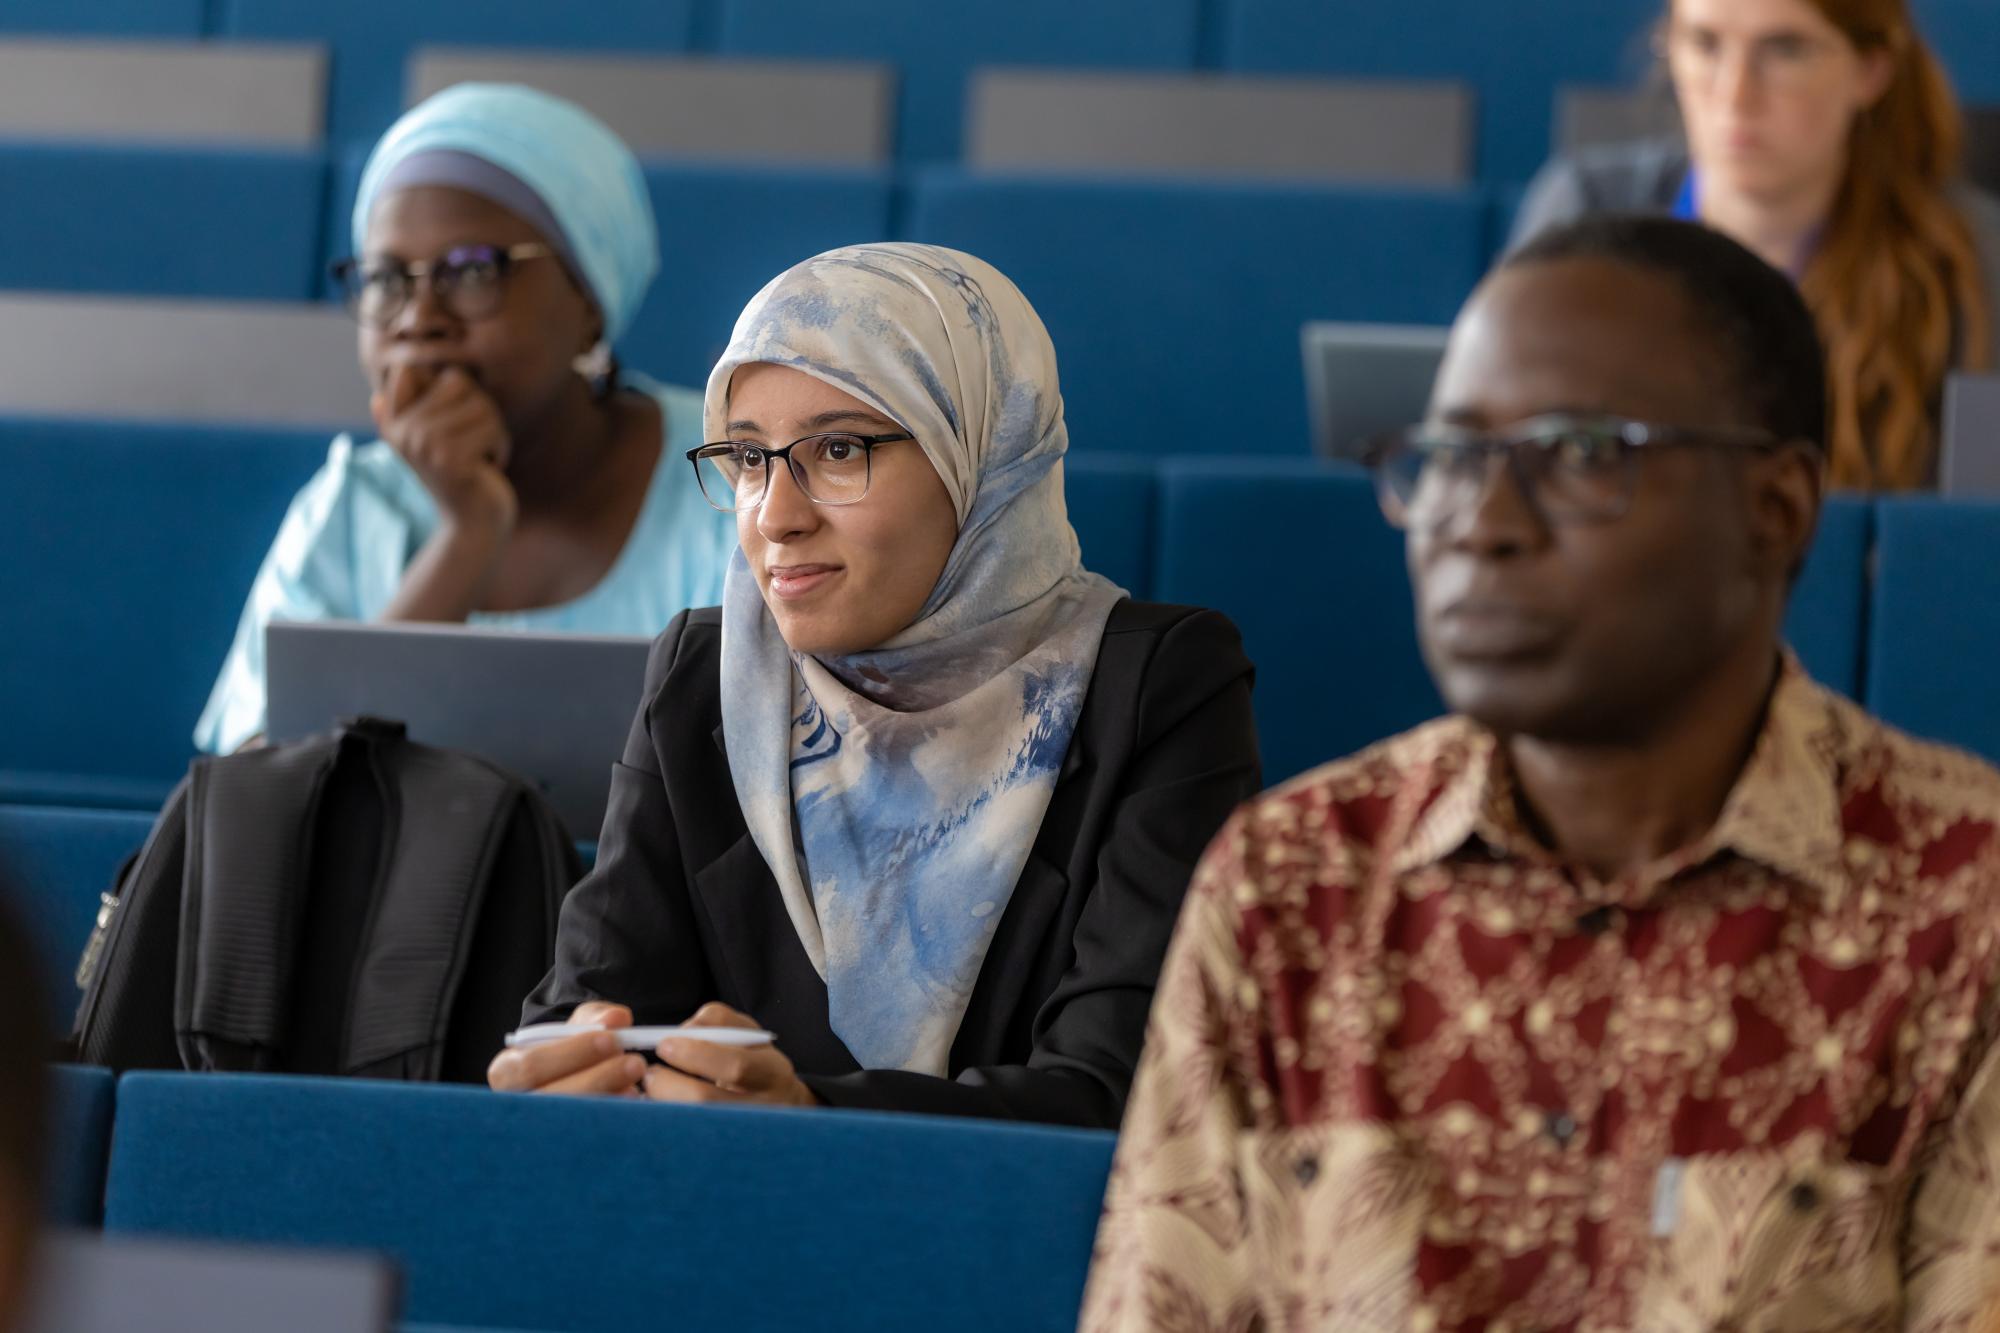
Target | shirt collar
(1784,811)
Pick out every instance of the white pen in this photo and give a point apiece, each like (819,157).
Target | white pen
(639,1039)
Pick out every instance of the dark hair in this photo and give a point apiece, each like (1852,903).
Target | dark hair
(1763,335)
(25,1047)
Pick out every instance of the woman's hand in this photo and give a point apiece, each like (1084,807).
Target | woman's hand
(588,1065)
(452,435)
(700,1071)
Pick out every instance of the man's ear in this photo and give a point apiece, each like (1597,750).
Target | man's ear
(1787,487)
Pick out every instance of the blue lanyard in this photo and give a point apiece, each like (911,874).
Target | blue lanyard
(1687,204)
(1687,208)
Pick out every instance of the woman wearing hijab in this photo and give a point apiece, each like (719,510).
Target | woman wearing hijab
(503,241)
(923,795)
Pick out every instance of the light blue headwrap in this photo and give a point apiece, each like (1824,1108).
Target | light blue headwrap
(582,174)
(919,771)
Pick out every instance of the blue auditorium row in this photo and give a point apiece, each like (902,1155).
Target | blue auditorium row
(125,551)
(933,47)
(128,582)
(532,1213)
(1152,360)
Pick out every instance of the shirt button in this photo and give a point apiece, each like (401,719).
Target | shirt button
(1596,921)
(1561,1126)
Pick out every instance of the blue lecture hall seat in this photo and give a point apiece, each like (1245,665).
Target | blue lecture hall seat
(125,555)
(558,1213)
(1112,499)
(1934,631)
(1297,553)
(1513,56)
(58,861)
(933,47)
(1829,608)
(102,18)
(1180,335)
(151,221)
(369,39)
(724,233)
(1966,36)
(80,1124)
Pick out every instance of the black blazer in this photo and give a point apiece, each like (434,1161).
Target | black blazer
(681,908)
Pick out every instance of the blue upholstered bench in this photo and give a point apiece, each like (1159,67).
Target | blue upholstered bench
(57,861)
(1181,335)
(557,1213)
(80,1141)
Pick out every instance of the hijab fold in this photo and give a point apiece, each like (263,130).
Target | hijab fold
(896,793)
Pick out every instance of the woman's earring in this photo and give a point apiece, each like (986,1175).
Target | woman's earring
(596,364)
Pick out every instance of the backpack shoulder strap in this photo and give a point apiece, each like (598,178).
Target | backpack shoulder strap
(451,815)
(249,851)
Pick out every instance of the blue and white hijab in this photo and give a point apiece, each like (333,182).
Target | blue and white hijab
(895,793)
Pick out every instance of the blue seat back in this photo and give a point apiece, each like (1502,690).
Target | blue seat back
(724,233)
(934,46)
(1298,555)
(126,553)
(370,39)
(1965,34)
(161,222)
(512,1211)
(79,1144)
(1514,56)
(60,860)
(1934,631)
(103,18)
(1180,334)
(1827,621)
(1112,499)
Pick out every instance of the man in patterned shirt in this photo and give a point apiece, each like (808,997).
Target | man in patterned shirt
(1652,990)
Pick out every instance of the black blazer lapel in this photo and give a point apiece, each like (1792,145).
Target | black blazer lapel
(758,960)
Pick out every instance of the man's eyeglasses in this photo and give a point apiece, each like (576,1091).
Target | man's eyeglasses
(469,281)
(1570,469)
(831,469)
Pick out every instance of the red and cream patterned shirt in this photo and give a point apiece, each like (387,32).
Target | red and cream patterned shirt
(1407,1071)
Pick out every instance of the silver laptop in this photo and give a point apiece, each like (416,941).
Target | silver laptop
(87,1283)
(1969,454)
(553,708)
(1364,379)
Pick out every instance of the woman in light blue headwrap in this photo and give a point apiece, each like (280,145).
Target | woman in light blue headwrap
(923,795)
(502,242)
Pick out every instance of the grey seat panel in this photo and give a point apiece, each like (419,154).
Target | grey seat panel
(1223,126)
(836,114)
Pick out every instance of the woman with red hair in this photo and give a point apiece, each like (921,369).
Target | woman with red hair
(1823,134)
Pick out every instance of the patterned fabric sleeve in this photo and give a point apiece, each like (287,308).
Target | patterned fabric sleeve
(1171,1251)
(1951,1256)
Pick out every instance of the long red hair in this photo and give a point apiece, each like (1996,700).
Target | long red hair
(1896,283)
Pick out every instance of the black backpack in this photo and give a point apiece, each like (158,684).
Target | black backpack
(355,903)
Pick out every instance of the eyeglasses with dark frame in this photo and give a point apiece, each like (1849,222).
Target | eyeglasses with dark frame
(833,469)
(470,281)
(1571,469)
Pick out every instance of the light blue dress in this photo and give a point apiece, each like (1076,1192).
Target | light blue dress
(353,530)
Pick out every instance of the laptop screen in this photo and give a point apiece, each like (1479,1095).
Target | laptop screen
(86,1283)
